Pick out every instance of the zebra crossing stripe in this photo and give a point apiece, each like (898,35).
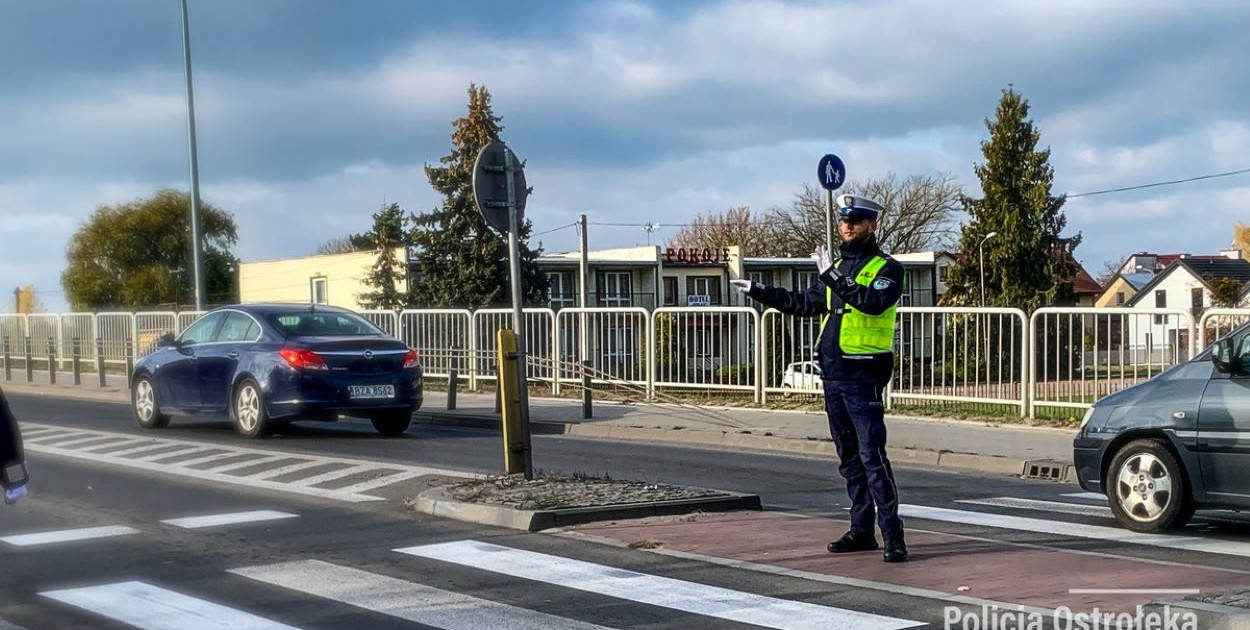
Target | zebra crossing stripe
(68,535)
(1046,506)
(215,520)
(1060,528)
(153,608)
(691,597)
(1092,496)
(405,600)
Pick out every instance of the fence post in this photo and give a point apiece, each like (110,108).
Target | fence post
(99,360)
(77,351)
(130,361)
(453,379)
(30,365)
(52,362)
(8,361)
(587,407)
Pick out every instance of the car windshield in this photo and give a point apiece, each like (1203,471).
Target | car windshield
(323,324)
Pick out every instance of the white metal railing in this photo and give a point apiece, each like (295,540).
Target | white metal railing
(1083,354)
(1217,322)
(968,355)
(1055,358)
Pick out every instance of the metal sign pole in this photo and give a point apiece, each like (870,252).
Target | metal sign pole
(518,321)
(829,222)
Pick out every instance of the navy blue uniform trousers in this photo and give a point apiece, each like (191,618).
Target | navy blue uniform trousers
(857,425)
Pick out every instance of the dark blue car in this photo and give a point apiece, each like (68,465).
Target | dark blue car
(266,364)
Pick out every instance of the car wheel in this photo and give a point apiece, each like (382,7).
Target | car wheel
(392,422)
(248,410)
(145,404)
(1146,488)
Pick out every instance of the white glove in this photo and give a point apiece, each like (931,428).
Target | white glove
(12,495)
(823,262)
(742,284)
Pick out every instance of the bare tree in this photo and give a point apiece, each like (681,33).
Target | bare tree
(336,245)
(920,214)
(1110,268)
(736,226)
(1241,239)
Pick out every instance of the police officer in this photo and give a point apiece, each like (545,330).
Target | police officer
(13,474)
(855,296)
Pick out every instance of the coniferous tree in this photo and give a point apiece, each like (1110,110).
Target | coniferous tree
(1027,263)
(461,262)
(387,271)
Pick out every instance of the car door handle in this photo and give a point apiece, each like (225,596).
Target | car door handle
(232,355)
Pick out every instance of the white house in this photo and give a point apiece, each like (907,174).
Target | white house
(1184,284)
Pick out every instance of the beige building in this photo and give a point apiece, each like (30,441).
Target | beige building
(334,279)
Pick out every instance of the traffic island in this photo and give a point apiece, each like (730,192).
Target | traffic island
(557,501)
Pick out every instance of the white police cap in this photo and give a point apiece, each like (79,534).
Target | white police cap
(853,207)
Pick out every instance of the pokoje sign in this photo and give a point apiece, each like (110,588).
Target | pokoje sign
(694,255)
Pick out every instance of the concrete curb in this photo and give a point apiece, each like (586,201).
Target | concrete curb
(728,440)
(438,502)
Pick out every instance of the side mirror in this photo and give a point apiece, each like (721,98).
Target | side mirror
(166,341)
(1223,358)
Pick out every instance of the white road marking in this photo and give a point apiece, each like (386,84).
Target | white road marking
(68,535)
(700,599)
(1059,528)
(288,469)
(117,455)
(153,608)
(181,450)
(214,520)
(1092,496)
(1044,506)
(405,600)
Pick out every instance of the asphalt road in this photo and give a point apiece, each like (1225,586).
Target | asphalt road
(241,574)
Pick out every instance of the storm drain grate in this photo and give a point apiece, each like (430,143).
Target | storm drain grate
(1045,469)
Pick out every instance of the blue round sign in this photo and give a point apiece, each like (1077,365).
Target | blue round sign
(831,172)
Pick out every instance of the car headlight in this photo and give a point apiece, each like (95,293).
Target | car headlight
(1089,413)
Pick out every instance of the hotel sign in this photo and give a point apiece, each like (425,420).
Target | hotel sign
(694,255)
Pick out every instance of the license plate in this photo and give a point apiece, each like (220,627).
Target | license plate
(363,392)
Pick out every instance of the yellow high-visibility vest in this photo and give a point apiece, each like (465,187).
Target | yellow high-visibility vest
(861,333)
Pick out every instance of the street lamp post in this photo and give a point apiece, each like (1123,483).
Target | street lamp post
(197,244)
(981,248)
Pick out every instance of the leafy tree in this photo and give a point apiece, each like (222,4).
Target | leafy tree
(736,226)
(137,255)
(1027,263)
(461,262)
(1225,292)
(387,272)
(337,245)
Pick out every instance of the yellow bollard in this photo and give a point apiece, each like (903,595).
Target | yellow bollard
(506,371)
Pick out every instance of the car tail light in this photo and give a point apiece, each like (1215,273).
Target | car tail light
(303,359)
(412,358)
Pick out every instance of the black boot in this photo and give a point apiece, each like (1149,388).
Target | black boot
(850,542)
(895,551)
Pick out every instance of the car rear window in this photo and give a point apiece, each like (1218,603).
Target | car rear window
(312,324)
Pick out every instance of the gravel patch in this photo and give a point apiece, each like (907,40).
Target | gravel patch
(550,493)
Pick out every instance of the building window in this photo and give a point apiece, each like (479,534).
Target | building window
(703,290)
(318,291)
(942,273)
(1195,300)
(1119,298)
(761,277)
(670,290)
(1161,301)
(563,295)
(614,289)
(806,279)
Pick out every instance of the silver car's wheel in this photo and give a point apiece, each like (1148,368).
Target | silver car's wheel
(146,407)
(249,409)
(1146,488)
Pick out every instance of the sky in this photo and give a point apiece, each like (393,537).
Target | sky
(310,114)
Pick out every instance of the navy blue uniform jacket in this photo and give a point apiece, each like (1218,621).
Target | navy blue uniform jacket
(873,300)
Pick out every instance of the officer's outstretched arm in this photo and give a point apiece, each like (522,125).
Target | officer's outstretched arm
(808,303)
(882,293)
